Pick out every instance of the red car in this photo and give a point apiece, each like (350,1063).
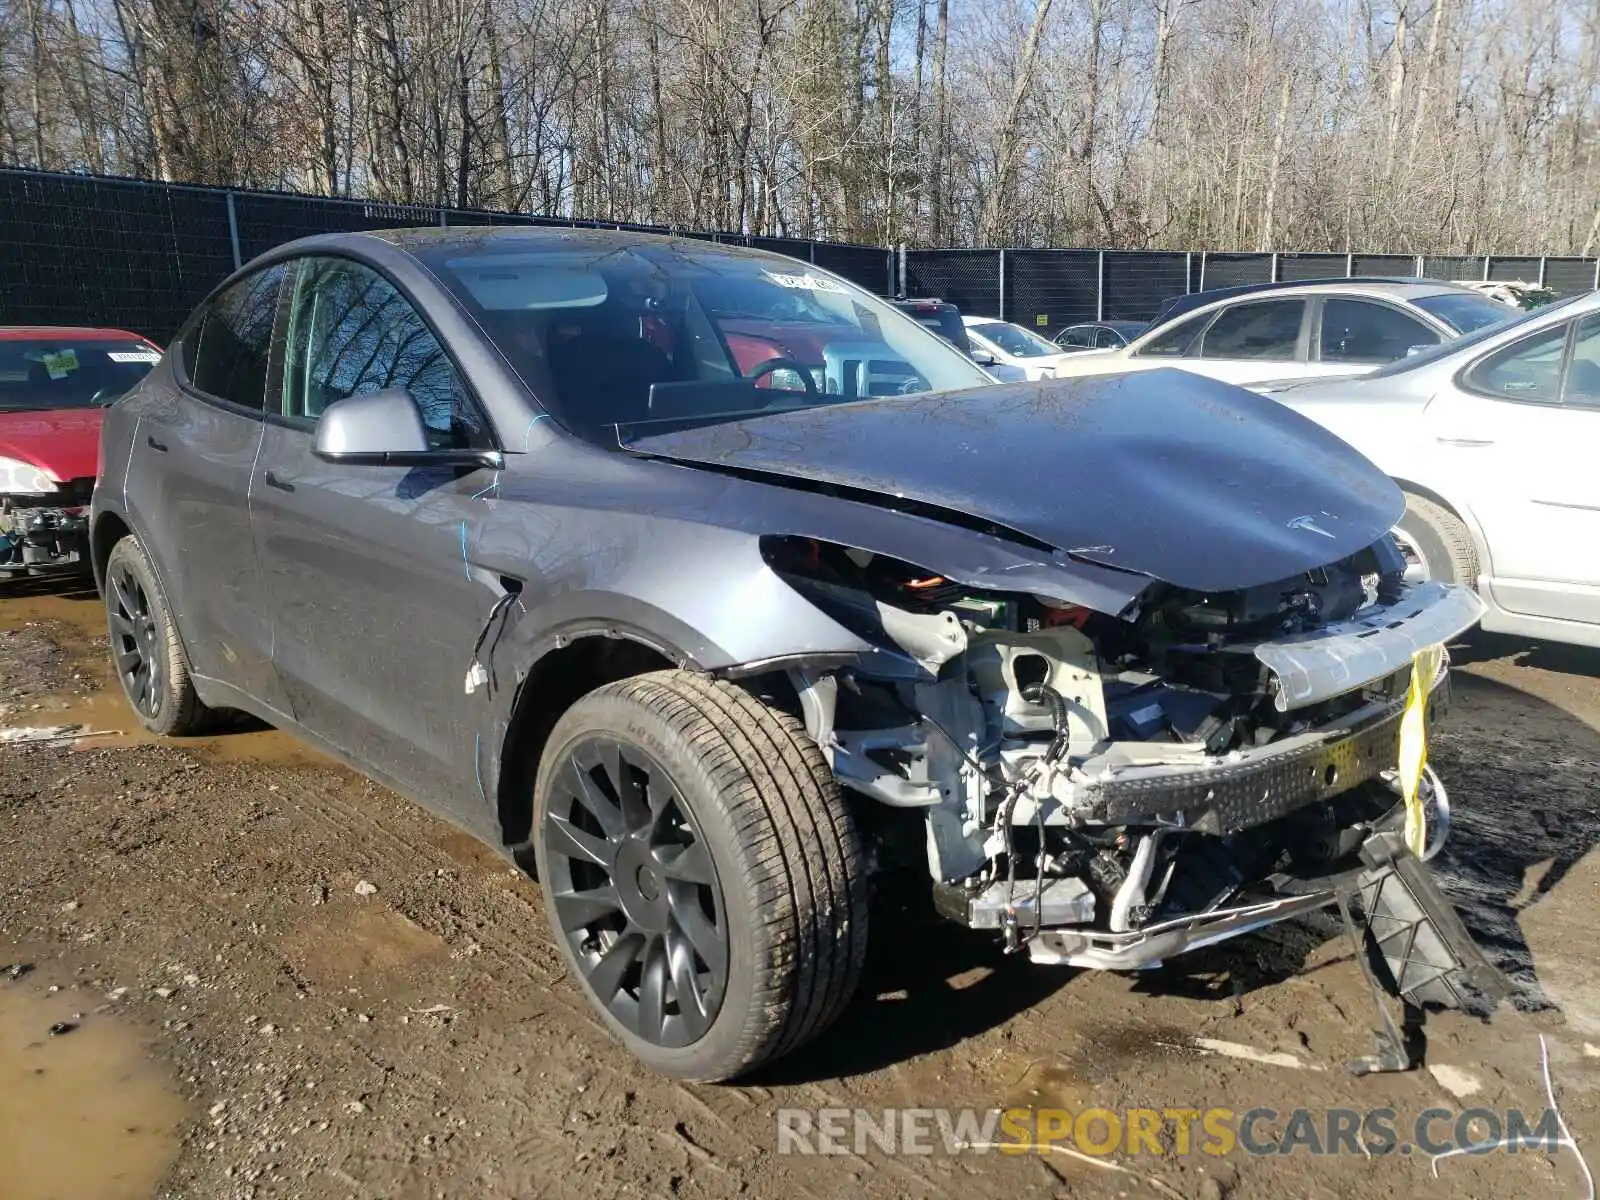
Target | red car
(54,382)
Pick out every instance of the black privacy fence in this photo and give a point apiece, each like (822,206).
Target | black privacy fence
(87,250)
(84,250)
(1048,290)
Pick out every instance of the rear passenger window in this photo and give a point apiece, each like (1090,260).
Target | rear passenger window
(1359,331)
(226,353)
(1269,329)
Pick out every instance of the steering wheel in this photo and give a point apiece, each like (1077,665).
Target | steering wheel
(779,364)
(103,397)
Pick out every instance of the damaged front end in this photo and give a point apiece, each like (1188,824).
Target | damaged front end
(45,534)
(1110,790)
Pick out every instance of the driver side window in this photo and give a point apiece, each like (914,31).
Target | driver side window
(351,332)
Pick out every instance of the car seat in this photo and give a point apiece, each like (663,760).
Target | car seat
(603,375)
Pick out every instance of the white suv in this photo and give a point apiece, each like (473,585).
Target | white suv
(1292,331)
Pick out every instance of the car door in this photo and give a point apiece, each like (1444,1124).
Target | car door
(1352,333)
(1519,434)
(1251,341)
(188,485)
(376,602)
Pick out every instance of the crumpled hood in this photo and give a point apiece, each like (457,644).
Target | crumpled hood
(1170,474)
(63,442)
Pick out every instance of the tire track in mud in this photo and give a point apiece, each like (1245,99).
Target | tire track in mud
(400,858)
(733,1124)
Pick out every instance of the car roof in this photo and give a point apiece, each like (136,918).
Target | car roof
(1398,287)
(969,320)
(63,333)
(502,239)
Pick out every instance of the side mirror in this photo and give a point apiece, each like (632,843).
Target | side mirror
(385,429)
(982,357)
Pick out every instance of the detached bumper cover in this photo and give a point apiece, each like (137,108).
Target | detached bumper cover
(1378,641)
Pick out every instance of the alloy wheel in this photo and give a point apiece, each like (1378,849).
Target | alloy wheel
(635,891)
(137,645)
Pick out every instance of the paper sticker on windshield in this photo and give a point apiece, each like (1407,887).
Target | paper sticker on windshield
(60,364)
(806,283)
(132,356)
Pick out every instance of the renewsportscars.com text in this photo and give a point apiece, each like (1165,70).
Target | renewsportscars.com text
(1160,1131)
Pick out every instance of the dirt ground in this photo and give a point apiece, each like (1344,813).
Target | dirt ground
(268,977)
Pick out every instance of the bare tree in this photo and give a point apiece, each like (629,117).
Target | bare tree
(1416,126)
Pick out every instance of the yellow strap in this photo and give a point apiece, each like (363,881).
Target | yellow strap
(1414,743)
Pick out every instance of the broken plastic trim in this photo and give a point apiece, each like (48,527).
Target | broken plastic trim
(1312,667)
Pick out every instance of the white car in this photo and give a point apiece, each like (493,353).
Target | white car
(1494,439)
(1013,346)
(1298,330)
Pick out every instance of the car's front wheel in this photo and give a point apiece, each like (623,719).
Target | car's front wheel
(145,649)
(1436,544)
(701,873)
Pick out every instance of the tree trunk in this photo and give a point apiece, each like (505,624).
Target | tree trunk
(1010,141)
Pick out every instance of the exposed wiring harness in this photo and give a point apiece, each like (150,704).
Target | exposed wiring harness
(477,673)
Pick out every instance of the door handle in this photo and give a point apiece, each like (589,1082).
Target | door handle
(1467,443)
(153,444)
(283,485)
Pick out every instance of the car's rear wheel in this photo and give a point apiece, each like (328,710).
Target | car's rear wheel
(145,650)
(1436,544)
(701,873)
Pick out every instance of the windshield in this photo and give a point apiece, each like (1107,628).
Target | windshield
(657,332)
(1482,334)
(1014,340)
(1465,312)
(70,372)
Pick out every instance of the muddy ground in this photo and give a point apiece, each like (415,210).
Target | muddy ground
(269,977)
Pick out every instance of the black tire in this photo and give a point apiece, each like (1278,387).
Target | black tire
(146,653)
(1445,545)
(788,890)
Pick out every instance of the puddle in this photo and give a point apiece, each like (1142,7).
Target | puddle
(84,1115)
(76,624)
